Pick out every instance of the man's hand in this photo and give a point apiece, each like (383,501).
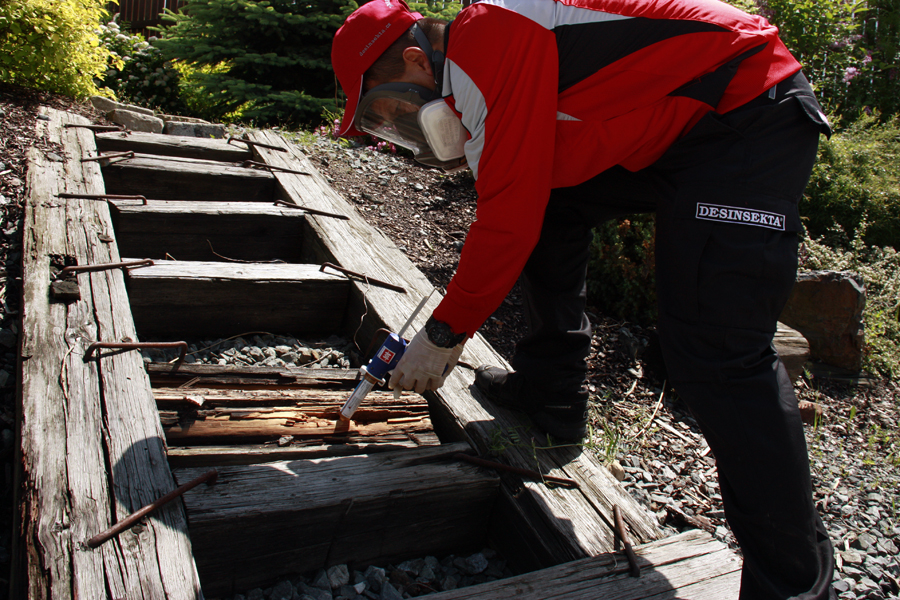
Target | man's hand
(424,366)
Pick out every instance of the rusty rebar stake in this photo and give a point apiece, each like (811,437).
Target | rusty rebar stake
(364,277)
(103,197)
(132,519)
(97,128)
(532,475)
(312,211)
(626,543)
(250,164)
(146,262)
(260,144)
(126,154)
(136,346)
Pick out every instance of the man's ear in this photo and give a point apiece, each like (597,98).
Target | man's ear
(415,57)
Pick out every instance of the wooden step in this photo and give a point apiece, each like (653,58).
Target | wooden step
(173,145)
(689,565)
(202,299)
(209,231)
(262,521)
(173,178)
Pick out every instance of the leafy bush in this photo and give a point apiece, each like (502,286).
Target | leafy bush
(267,61)
(621,280)
(143,77)
(880,270)
(857,174)
(52,45)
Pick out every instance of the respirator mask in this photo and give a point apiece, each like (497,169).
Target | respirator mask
(415,117)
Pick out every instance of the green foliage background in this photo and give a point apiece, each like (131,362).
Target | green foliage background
(52,45)
(268,61)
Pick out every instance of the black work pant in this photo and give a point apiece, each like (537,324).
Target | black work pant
(726,198)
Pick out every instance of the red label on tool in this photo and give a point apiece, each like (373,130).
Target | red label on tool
(387,355)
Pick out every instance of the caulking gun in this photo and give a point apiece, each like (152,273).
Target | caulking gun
(384,361)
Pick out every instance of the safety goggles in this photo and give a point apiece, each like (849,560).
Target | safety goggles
(411,116)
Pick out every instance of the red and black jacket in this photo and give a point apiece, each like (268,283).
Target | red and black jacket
(555,92)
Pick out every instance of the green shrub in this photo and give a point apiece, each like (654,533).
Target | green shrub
(621,280)
(144,77)
(857,174)
(267,61)
(880,270)
(52,45)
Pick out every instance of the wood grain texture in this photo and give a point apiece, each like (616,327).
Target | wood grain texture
(388,506)
(165,178)
(209,231)
(202,299)
(91,443)
(173,145)
(576,522)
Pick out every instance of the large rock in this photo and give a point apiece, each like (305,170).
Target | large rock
(106,105)
(192,129)
(826,307)
(136,121)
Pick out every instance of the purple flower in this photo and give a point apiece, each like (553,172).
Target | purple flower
(850,73)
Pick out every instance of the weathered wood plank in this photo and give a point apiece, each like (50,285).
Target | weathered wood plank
(162,374)
(81,418)
(577,520)
(248,528)
(217,456)
(200,299)
(173,145)
(163,178)
(689,565)
(211,231)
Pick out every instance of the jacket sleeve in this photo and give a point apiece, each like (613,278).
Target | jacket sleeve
(503,73)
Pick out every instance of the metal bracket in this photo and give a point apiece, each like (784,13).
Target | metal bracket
(146,262)
(97,128)
(253,164)
(364,277)
(135,346)
(259,144)
(106,159)
(311,211)
(103,197)
(132,519)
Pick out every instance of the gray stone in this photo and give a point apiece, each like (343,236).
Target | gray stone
(255,594)
(315,593)
(389,592)
(197,130)
(375,576)
(181,119)
(136,121)
(338,575)
(476,563)
(283,590)
(321,581)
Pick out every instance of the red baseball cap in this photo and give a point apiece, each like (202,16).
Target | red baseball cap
(363,37)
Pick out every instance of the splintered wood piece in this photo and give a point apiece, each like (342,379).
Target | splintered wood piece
(195,416)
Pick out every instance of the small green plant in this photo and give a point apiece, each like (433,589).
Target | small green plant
(52,45)
(621,279)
